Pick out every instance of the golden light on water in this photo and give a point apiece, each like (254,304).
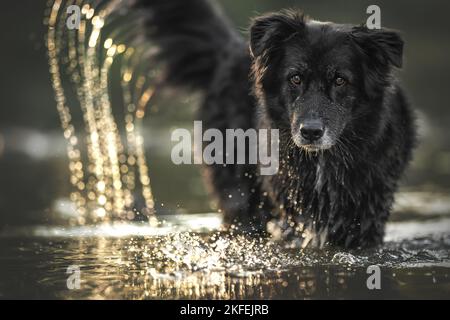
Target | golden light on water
(104,154)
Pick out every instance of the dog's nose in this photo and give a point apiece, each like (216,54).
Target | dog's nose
(312,130)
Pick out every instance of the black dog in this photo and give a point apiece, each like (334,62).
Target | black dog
(346,129)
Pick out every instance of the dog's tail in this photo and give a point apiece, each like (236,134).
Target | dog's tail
(192,37)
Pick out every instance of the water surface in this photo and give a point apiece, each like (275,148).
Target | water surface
(189,257)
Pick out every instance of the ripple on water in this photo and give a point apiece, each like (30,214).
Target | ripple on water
(135,261)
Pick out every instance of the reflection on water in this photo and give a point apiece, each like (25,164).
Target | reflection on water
(135,261)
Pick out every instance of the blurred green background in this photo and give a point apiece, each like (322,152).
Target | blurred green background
(33,165)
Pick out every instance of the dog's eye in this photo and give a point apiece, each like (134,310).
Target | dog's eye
(339,81)
(296,80)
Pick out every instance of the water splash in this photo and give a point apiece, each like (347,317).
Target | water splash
(107,161)
(217,265)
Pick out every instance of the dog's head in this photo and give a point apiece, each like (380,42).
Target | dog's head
(315,78)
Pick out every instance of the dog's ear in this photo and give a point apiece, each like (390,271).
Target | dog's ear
(381,50)
(267,31)
(383,47)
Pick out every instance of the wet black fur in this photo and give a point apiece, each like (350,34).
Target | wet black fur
(340,196)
